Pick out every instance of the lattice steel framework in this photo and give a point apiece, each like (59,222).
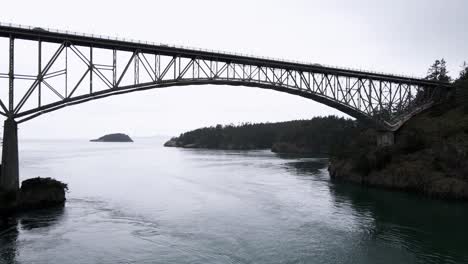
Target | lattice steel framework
(385,100)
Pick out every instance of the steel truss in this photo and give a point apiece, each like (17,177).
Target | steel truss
(385,100)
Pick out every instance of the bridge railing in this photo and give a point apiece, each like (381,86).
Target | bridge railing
(106,37)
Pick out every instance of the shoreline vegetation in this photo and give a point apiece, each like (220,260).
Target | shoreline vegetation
(429,155)
(319,135)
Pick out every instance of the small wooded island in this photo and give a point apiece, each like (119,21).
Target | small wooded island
(117,137)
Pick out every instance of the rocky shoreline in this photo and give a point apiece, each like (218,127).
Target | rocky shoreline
(429,157)
(280,147)
(35,193)
(177,144)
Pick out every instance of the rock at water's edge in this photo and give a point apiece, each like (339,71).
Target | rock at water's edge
(41,193)
(36,193)
(171,143)
(118,137)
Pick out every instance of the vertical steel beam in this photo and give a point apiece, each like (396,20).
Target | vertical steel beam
(11,76)
(380,95)
(360,94)
(175,67)
(91,69)
(66,71)
(194,60)
(180,67)
(227,70)
(136,68)
(157,66)
(39,70)
(114,67)
(390,104)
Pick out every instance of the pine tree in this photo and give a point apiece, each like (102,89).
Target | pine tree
(438,72)
(434,71)
(464,72)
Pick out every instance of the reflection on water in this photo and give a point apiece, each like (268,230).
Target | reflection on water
(434,230)
(10,228)
(41,218)
(307,166)
(8,239)
(141,203)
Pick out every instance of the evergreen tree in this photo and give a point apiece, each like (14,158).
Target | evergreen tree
(438,72)
(464,72)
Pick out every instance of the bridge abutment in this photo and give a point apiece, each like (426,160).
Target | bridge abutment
(385,138)
(9,177)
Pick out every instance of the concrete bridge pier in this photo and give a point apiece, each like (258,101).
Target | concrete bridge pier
(9,177)
(385,138)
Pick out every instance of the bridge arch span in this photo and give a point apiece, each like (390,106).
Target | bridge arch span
(33,113)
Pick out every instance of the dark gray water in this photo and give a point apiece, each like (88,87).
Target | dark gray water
(142,203)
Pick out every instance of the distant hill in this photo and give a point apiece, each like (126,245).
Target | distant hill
(319,135)
(118,137)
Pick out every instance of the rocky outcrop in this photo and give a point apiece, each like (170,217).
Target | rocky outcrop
(172,143)
(429,157)
(41,192)
(118,137)
(35,193)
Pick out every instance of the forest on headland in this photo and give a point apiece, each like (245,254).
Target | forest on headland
(319,135)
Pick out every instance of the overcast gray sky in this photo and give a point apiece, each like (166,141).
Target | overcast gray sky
(398,36)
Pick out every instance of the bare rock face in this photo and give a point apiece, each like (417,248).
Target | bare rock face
(41,193)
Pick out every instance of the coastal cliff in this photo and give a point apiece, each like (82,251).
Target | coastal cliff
(429,156)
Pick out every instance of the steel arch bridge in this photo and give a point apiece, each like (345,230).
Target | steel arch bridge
(84,67)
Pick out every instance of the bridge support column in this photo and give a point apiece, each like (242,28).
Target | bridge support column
(385,138)
(9,177)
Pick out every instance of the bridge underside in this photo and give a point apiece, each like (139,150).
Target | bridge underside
(75,68)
